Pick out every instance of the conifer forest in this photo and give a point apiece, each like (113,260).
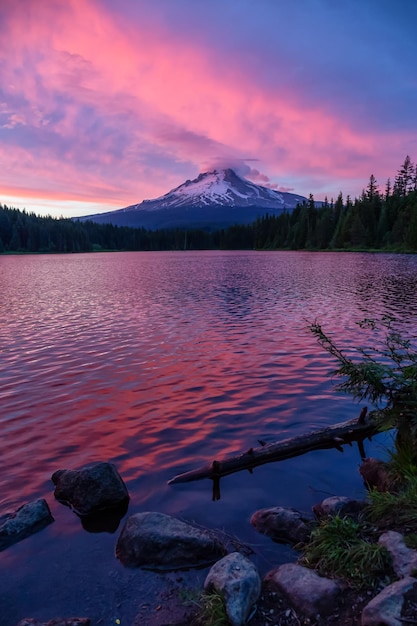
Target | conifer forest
(381,219)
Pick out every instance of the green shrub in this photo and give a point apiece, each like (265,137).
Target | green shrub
(383,374)
(337,549)
(211,610)
(396,510)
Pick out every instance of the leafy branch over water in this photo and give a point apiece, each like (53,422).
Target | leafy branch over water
(385,374)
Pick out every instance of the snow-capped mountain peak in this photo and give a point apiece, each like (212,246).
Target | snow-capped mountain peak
(215,199)
(220,187)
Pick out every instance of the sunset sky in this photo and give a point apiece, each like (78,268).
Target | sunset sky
(104,103)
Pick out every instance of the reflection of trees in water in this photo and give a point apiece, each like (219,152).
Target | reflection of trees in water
(400,290)
(389,283)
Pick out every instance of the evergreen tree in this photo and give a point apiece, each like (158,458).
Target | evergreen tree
(411,234)
(339,219)
(357,231)
(404,180)
(15,244)
(388,189)
(372,188)
(324,227)
(311,223)
(382,231)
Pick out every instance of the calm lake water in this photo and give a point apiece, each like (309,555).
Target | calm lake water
(159,363)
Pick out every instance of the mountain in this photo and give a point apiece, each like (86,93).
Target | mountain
(216,199)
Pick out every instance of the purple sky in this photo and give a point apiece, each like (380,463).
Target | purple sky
(105,103)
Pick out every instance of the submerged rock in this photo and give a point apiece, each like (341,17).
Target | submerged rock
(309,593)
(237,580)
(26,520)
(284,525)
(91,489)
(159,541)
(339,505)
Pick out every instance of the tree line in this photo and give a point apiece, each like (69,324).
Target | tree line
(377,220)
(380,220)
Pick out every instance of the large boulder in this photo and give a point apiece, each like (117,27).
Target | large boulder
(310,594)
(26,520)
(237,580)
(284,525)
(158,541)
(91,489)
(392,604)
(404,559)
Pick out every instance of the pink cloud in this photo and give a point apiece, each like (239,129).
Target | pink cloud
(93,97)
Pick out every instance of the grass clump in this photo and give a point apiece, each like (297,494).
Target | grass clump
(395,510)
(402,462)
(211,610)
(337,549)
(411,541)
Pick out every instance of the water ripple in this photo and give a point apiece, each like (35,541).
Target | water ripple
(161,361)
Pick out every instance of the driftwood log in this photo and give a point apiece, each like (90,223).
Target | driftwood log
(331,437)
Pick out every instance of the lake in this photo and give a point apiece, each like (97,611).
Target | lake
(161,362)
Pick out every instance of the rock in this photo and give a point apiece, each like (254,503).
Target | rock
(387,607)
(59,621)
(158,541)
(309,593)
(404,560)
(375,475)
(284,525)
(339,505)
(91,489)
(26,520)
(237,580)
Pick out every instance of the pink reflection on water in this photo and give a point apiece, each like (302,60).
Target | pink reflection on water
(161,363)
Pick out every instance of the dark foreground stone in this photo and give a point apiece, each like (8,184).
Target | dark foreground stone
(339,505)
(90,490)
(237,580)
(158,541)
(26,520)
(310,594)
(404,559)
(284,525)
(391,607)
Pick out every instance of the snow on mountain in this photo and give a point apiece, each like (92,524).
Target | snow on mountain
(219,188)
(213,200)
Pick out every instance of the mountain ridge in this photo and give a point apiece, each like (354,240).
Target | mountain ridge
(214,199)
